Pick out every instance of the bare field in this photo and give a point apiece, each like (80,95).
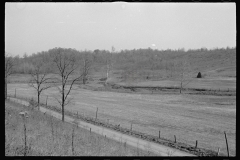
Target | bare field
(189,117)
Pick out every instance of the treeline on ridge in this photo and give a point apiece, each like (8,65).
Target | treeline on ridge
(136,60)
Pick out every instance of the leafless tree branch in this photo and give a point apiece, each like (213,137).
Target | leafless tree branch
(66,65)
(9,63)
(85,69)
(39,77)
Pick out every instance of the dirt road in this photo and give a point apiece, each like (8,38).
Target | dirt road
(133,141)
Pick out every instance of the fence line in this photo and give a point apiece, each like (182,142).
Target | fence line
(135,133)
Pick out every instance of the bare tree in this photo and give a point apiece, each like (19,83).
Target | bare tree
(39,78)
(172,68)
(113,49)
(184,74)
(9,63)
(85,70)
(67,65)
(181,81)
(109,64)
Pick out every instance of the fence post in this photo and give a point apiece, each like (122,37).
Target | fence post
(96,114)
(196,144)
(72,140)
(77,114)
(175,140)
(131,126)
(218,151)
(159,133)
(25,134)
(15,92)
(46,100)
(25,138)
(226,142)
(90,130)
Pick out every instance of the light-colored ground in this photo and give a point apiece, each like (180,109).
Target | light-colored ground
(189,117)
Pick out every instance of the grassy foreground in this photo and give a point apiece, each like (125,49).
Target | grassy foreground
(47,136)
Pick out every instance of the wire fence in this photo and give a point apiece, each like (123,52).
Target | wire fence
(175,143)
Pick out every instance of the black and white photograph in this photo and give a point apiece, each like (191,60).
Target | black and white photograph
(120,79)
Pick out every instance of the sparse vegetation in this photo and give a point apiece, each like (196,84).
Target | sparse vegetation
(39,132)
(39,78)
(8,70)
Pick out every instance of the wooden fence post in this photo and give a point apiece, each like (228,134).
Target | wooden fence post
(90,130)
(226,142)
(131,126)
(196,144)
(96,114)
(72,140)
(25,138)
(46,100)
(159,134)
(175,139)
(218,151)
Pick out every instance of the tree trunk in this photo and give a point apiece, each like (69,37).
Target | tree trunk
(84,79)
(181,82)
(38,100)
(107,74)
(63,106)
(63,112)
(5,88)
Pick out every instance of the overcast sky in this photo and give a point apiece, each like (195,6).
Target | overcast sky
(36,27)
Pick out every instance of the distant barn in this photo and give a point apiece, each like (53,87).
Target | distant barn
(199,75)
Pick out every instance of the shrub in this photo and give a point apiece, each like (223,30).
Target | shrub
(199,75)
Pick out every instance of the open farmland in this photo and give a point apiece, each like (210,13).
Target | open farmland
(156,77)
(189,117)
